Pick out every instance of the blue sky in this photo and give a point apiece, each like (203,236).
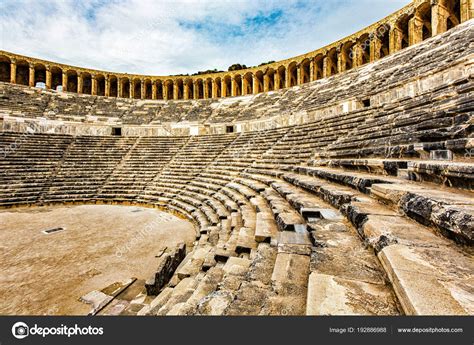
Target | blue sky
(172,37)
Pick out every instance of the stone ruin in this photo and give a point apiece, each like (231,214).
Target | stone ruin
(336,183)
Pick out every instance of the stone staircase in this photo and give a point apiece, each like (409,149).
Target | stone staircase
(368,211)
(274,236)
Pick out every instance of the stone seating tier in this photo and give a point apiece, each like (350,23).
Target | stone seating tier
(417,76)
(272,234)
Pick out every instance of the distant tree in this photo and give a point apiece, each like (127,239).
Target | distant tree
(266,63)
(215,70)
(236,67)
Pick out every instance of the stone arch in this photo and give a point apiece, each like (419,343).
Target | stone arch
(113,86)
(269,80)
(159,89)
(237,85)
(22,72)
(137,88)
(305,71)
(188,88)
(424,13)
(226,87)
(453,15)
(148,90)
(168,89)
(318,66)
(56,77)
(258,82)
(86,83)
(280,80)
(40,73)
(217,83)
(125,82)
(247,84)
(292,74)
(346,56)
(208,88)
(5,68)
(364,49)
(100,85)
(71,81)
(198,89)
(402,25)
(331,63)
(179,85)
(382,41)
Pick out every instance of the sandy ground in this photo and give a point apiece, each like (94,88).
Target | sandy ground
(102,244)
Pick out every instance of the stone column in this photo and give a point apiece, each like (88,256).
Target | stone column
(287,77)
(266,82)
(13,72)
(195,89)
(415,30)
(341,60)
(93,85)
(223,88)
(276,80)
(205,89)
(341,66)
(119,87)
(48,77)
(233,88)
(79,83)
(357,54)
(131,92)
(185,90)
(245,84)
(142,89)
(395,37)
(214,88)
(175,90)
(467,10)
(255,85)
(31,78)
(154,90)
(439,17)
(299,75)
(312,74)
(326,67)
(107,86)
(64,81)
(375,45)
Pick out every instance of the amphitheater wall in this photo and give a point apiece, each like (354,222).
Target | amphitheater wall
(91,125)
(410,25)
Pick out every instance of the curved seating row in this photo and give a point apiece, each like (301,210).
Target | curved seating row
(274,237)
(396,77)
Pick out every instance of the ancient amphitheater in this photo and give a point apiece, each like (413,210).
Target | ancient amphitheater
(337,182)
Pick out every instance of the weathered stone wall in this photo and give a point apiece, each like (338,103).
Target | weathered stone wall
(167,265)
(409,26)
(383,83)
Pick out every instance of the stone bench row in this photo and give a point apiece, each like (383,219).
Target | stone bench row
(387,233)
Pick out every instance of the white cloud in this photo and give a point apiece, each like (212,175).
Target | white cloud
(171,37)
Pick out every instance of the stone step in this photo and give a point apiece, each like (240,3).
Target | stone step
(450,212)
(290,282)
(358,280)
(360,209)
